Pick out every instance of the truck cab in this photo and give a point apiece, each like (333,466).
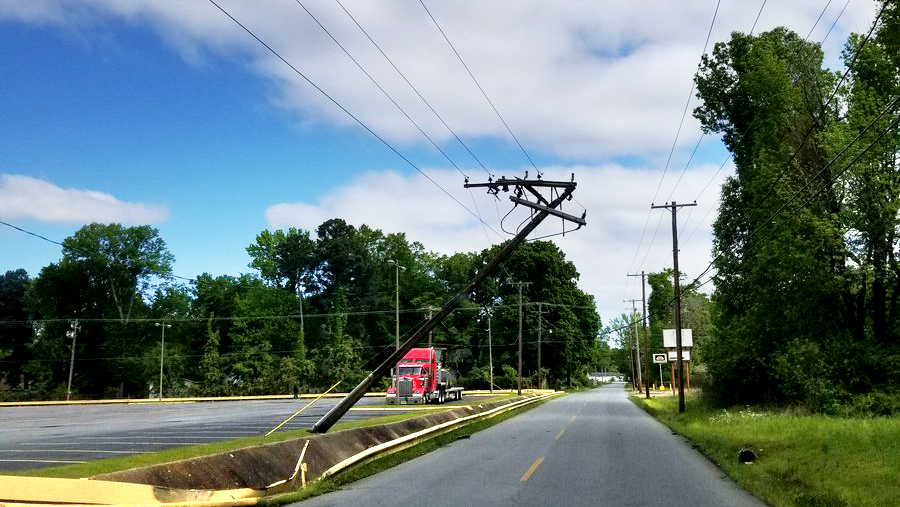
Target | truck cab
(420,378)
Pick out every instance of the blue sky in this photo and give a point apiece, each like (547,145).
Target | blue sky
(167,113)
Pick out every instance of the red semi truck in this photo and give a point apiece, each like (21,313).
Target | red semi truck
(421,378)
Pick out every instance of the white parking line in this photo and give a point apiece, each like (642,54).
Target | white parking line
(86,451)
(106,439)
(40,461)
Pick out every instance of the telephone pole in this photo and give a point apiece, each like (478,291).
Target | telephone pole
(520,284)
(431,310)
(677,283)
(646,345)
(637,346)
(540,328)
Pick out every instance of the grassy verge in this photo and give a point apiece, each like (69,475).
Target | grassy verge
(391,460)
(803,460)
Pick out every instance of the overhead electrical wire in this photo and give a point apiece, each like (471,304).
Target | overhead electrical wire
(344,109)
(399,107)
(414,89)
(477,84)
(888,109)
(815,120)
(429,106)
(671,152)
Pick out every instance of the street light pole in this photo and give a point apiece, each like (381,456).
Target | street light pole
(162,352)
(72,333)
(399,268)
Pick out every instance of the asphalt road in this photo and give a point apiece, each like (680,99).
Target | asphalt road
(593,448)
(41,436)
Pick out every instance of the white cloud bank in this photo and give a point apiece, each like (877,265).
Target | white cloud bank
(576,79)
(31,198)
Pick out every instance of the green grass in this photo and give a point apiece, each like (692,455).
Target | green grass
(803,460)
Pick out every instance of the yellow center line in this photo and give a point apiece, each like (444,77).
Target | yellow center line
(573,418)
(534,466)
(560,433)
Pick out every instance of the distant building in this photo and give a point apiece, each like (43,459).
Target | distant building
(607,376)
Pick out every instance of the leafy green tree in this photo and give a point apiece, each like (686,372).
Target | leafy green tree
(778,279)
(15,332)
(124,259)
(212,378)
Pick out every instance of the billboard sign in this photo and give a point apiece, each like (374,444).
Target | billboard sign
(660,359)
(687,338)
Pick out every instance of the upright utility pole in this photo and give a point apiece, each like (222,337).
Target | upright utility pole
(490,351)
(431,311)
(540,328)
(520,284)
(677,283)
(562,190)
(637,347)
(398,269)
(646,345)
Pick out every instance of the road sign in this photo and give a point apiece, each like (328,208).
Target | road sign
(660,359)
(685,355)
(687,338)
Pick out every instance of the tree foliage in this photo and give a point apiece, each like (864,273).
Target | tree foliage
(806,237)
(320,309)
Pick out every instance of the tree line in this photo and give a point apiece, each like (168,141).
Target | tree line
(315,311)
(807,266)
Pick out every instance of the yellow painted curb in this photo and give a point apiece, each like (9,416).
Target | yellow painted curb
(47,490)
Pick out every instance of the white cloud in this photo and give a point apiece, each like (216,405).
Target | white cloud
(31,198)
(603,251)
(575,79)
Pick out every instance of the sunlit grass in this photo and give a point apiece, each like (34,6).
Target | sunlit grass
(803,460)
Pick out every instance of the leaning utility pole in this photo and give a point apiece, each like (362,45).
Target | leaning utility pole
(543,208)
(646,345)
(677,283)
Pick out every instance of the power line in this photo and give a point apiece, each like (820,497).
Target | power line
(672,150)
(808,132)
(483,93)
(796,194)
(342,108)
(414,89)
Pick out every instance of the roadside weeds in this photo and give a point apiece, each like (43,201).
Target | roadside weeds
(801,460)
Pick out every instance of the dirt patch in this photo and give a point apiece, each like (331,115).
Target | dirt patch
(260,466)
